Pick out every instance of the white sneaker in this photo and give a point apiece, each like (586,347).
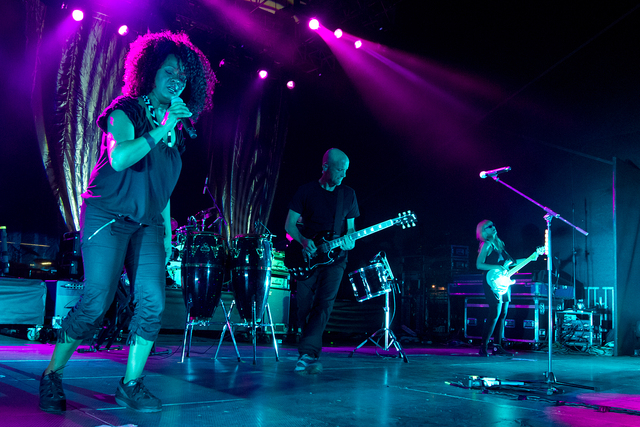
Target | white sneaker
(308,365)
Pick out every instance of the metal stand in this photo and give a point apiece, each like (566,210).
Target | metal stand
(253,326)
(388,333)
(551,382)
(188,331)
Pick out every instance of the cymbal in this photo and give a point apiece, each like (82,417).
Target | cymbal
(174,224)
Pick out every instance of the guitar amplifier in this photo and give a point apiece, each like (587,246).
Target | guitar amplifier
(62,296)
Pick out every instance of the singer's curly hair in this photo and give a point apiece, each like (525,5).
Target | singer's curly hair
(146,55)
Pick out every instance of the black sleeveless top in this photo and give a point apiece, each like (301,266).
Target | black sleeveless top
(496,258)
(142,191)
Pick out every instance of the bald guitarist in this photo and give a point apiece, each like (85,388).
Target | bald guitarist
(323,205)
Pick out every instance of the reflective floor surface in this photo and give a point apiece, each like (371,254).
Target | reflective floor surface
(440,385)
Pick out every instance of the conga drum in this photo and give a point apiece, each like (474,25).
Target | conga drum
(251,259)
(203,267)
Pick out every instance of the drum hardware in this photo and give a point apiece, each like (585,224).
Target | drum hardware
(191,322)
(253,326)
(250,281)
(381,271)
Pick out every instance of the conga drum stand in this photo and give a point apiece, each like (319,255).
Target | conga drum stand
(190,323)
(253,326)
(389,336)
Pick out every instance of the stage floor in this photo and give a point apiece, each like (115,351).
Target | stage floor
(365,390)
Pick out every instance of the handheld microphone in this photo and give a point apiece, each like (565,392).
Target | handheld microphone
(494,172)
(186,123)
(206,181)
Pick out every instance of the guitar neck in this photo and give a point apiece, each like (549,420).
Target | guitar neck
(521,264)
(328,246)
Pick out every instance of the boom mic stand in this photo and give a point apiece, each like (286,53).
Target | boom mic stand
(549,215)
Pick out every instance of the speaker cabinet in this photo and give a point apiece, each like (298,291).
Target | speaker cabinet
(62,296)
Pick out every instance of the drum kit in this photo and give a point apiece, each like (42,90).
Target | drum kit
(204,260)
(372,281)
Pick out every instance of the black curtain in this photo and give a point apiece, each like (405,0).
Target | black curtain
(627,240)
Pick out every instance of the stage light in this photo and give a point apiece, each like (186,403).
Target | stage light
(314,24)
(263,74)
(358,44)
(291,84)
(123,30)
(77,15)
(338,33)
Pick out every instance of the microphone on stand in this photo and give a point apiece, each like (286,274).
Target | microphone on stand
(206,181)
(494,172)
(187,124)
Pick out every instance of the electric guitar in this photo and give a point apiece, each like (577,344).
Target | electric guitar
(500,280)
(301,266)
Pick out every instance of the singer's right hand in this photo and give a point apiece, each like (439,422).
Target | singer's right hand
(178,110)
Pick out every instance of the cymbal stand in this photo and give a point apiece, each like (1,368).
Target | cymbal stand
(253,326)
(551,381)
(188,331)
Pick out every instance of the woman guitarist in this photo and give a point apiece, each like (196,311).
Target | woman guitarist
(491,255)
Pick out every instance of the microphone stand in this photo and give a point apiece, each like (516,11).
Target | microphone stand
(549,215)
(220,214)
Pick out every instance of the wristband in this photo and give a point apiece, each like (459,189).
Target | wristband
(150,140)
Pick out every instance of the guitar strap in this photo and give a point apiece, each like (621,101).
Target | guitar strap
(337,220)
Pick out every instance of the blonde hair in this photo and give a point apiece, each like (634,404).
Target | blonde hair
(482,237)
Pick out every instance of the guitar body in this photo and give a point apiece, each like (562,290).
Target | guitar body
(300,266)
(499,281)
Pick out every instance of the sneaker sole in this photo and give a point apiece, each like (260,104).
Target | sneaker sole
(52,410)
(311,370)
(127,405)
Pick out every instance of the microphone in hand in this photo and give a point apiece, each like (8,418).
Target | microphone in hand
(186,122)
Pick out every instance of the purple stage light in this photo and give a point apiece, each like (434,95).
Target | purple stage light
(123,30)
(77,15)
(338,33)
(314,24)
(358,44)
(291,84)
(263,74)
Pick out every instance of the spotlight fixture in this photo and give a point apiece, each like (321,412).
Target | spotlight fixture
(314,24)
(123,30)
(291,84)
(338,33)
(358,44)
(77,15)
(263,74)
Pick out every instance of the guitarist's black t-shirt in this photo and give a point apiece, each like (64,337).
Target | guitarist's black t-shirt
(317,207)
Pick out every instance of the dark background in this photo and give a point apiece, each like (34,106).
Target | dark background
(567,101)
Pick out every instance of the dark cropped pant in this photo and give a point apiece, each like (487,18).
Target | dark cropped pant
(315,297)
(108,243)
(498,308)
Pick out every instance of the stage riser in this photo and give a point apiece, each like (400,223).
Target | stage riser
(22,301)
(526,320)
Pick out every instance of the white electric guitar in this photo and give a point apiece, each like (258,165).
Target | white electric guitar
(499,280)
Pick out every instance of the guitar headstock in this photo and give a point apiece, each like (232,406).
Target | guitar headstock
(406,219)
(542,250)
